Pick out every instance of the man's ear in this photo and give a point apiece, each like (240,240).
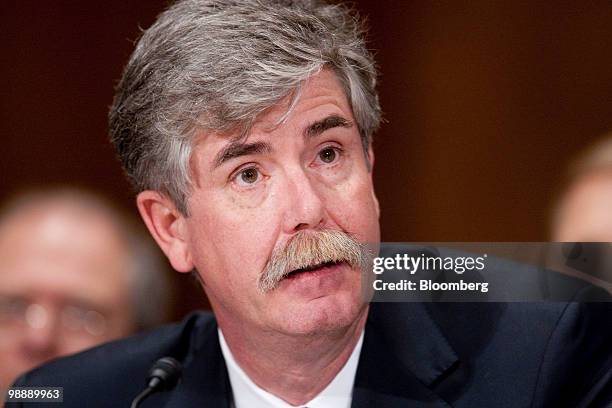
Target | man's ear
(370,159)
(167,226)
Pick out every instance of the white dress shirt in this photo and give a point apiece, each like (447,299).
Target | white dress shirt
(337,394)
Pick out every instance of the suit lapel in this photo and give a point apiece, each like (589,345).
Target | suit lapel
(205,382)
(403,357)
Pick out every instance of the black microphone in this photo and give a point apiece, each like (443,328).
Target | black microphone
(163,376)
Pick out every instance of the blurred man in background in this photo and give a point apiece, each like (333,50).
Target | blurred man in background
(73,273)
(584,212)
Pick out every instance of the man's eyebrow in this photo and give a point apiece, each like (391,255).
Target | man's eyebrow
(238,148)
(322,125)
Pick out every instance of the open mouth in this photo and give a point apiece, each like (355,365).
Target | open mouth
(312,268)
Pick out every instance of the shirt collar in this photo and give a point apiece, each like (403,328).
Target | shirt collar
(246,393)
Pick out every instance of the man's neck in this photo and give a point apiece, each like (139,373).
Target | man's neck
(294,368)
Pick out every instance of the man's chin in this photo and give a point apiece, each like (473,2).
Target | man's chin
(317,301)
(327,313)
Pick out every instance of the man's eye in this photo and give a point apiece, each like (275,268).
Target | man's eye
(328,155)
(248,176)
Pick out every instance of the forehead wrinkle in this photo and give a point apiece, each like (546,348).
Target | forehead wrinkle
(238,147)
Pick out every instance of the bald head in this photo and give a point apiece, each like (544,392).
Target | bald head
(585,211)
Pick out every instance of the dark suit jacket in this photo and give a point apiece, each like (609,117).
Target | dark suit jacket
(414,355)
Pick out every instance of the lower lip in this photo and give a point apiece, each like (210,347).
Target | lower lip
(316,273)
(316,283)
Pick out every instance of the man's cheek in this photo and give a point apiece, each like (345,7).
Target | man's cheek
(250,248)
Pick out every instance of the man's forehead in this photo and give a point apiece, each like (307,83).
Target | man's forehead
(317,105)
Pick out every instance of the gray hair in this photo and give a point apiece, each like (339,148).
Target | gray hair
(215,65)
(147,279)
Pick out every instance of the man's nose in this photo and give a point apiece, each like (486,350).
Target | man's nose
(40,337)
(306,209)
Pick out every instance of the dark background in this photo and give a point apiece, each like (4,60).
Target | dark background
(485,104)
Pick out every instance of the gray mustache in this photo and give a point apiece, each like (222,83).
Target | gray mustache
(308,248)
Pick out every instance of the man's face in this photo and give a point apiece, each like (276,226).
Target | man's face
(63,286)
(252,195)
